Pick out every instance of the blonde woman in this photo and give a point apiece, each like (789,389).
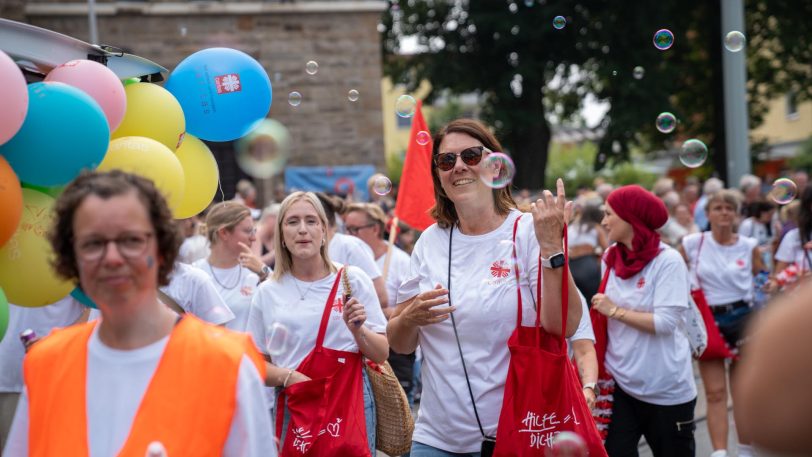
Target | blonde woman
(236,271)
(329,328)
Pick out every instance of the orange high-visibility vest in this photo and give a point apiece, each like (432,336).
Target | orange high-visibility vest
(187,406)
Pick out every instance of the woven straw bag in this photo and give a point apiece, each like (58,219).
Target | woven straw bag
(395,422)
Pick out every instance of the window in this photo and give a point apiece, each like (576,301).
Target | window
(792,105)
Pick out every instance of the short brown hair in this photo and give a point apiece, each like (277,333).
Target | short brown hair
(374,213)
(224,215)
(443,210)
(106,185)
(729,196)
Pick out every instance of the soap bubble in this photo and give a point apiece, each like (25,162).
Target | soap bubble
(156,449)
(784,191)
(663,39)
(295,98)
(693,153)
(405,106)
(734,41)
(280,339)
(666,122)
(567,444)
(312,67)
(352,95)
(381,185)
(423,138)
(638,72)
(559,22)
(497,170)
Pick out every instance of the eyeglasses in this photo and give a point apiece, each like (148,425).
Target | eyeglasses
(130,245)
(471,156)
(353,230)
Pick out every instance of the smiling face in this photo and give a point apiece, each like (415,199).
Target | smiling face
(462,183)
(125,274)
(302,231)
(617,230)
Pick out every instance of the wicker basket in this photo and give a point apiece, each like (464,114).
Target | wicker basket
(395,422)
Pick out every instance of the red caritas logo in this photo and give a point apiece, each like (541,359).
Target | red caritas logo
(338,305)
(228,83)
(740,263)
(500,269)
(247,290)
(641,282)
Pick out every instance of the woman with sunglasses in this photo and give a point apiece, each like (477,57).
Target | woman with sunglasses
(466,247)
(309,324)
(230,230)
(141,373)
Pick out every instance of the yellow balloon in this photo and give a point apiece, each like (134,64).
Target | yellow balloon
(154,113)
(150,159)
(26,275)
(202,176)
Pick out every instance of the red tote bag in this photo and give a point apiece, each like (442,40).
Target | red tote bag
(543,395)
(717,346)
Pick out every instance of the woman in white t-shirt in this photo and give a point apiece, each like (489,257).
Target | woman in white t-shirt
(470,247)
(586,241)
(722,264)
(645,298)
(295,298)
(230,230)
(796,246)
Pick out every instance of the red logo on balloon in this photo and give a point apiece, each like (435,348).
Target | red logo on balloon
(227,84)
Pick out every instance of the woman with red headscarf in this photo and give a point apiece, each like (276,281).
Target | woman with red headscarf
(645,297)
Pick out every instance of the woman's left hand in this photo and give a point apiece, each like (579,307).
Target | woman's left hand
(550,214)
(602,304)
(249,260)
(354,315)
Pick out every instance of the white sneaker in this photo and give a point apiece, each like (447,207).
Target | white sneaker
(719,453)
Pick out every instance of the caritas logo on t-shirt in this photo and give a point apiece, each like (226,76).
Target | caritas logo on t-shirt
(499,273)
(740,263)
(338,305)
(247,291)
(641,282)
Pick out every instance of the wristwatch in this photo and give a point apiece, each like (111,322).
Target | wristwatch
(554,261)
(266,271)
(593,386)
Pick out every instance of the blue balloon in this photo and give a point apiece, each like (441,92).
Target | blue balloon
(64,132)
(224,93)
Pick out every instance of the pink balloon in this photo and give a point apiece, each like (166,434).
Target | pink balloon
(97,81)
(14,94)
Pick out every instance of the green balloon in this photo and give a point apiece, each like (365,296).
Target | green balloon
(54,191)
(3,314)
(129,81)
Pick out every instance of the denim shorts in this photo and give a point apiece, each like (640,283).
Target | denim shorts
(424,450)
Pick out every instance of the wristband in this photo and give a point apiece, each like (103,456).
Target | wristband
(612,313)
(287,378)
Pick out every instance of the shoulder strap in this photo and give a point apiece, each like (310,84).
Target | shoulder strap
(516,272)
(696,260)
(325,316)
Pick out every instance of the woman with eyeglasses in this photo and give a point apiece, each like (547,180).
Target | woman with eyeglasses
(236,271)
(465,359)
(315,328)
(141,373)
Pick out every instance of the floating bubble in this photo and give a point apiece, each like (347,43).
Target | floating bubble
(156,449)
(312,67)
(693,153)
(528,3)
(666,122)
(567,444)
(295,98)
(405,106)
(663,39)
(638,72)
(784,191)
(382,185)
(264,152)
(559,22)
(280,339)
(734,41)
(352,95)
(497,170)
(423,138)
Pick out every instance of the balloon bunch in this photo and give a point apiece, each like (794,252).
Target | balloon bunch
(83,117)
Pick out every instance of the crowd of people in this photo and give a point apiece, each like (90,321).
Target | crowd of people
(248,332)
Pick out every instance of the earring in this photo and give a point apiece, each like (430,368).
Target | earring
(322,241)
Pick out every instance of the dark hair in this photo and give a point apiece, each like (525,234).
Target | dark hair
(332,206)
(106,185)
(591,216)
(443,210)
(758,207)
(805,215)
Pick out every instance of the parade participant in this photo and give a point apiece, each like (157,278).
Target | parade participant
(587,241)
(195,246)
(235,269)
(453,417)
(367,221)
(723,264)
(796,245)
(265,234)
(98,388)
(349,250)
(649,357)
(327,336)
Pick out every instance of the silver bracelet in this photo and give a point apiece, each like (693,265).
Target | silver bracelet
(287,378)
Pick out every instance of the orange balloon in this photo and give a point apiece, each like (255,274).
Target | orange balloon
(11,201)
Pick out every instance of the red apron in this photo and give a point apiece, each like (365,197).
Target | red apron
(602,413)
(327,412)
(543,394)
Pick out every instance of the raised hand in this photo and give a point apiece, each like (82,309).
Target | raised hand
(550,214)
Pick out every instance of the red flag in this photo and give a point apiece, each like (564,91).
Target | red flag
(416,192)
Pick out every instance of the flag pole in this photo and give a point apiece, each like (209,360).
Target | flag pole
(393,232)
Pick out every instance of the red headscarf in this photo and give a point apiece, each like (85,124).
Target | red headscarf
(646,213)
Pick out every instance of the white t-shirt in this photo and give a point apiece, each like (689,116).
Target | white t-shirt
(279,302)
(654,368)
(195,292)
(351,250)
(41,320)
(483,288)
(236,286)
(194,248)
(116,383)
(791,251)
(398,272)
(725,272)
(752,228)
(576,235)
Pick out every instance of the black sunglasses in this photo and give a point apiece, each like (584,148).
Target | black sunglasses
(471,156)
